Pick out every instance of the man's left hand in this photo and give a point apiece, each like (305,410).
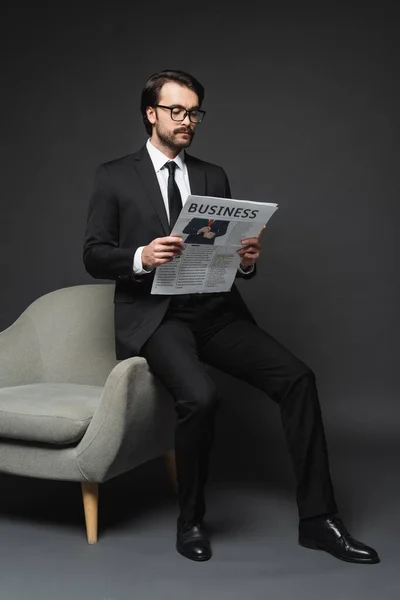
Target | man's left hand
(250,252)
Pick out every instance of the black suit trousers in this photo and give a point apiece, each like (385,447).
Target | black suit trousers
(187,338)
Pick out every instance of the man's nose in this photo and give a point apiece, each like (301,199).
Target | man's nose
(186,121)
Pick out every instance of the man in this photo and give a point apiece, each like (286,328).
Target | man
(134,205)
(204,231)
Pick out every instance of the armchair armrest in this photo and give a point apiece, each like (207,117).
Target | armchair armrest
(20,358)
(134,422)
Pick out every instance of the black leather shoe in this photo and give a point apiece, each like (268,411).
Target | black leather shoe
(192,541)
(327,532)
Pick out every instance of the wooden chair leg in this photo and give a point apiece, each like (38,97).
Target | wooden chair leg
(90,494)
(171,468)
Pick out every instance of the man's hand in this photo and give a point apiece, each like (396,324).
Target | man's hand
(250,253)
(161,251)
(203,230)
(209,235)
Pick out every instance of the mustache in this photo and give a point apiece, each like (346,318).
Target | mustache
(184,130)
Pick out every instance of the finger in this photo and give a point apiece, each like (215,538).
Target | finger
(261,232)
(167,247)
(250,254)
(166,254)
(162,261)
(253,244)
(171,239)
(250,241)
(255,248)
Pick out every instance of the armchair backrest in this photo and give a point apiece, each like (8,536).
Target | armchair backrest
(75,331)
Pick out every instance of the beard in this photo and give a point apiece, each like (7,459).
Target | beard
(170,139)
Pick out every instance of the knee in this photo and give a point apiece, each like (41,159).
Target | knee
(202,399)
(301,374)
(299,385)
(307,373)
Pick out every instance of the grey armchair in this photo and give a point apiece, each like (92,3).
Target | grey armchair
(68,409)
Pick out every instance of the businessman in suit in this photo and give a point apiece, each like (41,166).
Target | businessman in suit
(134,205)
(204,231)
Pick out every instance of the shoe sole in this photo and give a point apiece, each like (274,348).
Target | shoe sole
(306,543)
(202,559)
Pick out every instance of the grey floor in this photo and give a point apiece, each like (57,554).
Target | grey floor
(44,554)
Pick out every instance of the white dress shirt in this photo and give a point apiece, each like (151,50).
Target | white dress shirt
(182,180)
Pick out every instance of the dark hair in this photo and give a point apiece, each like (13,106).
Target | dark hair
(152,89)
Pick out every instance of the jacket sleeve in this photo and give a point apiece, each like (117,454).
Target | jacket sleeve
(194,225)
(102,257)
(219,227)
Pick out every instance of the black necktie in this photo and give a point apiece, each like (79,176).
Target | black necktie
(174,195)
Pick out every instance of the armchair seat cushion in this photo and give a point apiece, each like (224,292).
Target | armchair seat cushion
(51,413)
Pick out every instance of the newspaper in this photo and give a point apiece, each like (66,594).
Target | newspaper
(212,230)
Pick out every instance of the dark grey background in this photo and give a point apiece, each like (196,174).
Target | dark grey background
(302,108)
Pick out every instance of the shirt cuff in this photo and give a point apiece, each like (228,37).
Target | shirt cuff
(248,271)
(137,263)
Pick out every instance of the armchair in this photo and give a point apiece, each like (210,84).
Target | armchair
(68,409)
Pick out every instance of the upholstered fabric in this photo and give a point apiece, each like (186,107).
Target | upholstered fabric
(75,332)
(20,358)
(60,383)
(53,413)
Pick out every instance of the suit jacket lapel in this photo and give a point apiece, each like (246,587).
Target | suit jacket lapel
(145,168)
(197,176)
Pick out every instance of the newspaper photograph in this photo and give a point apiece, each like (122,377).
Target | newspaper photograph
(212,230)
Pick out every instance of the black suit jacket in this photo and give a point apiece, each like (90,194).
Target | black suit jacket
(126,210)
(218,227)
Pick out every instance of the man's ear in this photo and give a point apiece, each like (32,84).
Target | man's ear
(151,114)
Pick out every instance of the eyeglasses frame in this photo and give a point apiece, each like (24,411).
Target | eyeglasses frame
(187,112)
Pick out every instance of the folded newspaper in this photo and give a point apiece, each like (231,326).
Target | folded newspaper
(212,230)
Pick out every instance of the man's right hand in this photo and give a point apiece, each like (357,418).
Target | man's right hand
(161,250)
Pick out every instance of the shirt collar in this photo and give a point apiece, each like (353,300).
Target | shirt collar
(159,159)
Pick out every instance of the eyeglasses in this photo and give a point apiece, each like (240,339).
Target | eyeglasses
(178,113)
